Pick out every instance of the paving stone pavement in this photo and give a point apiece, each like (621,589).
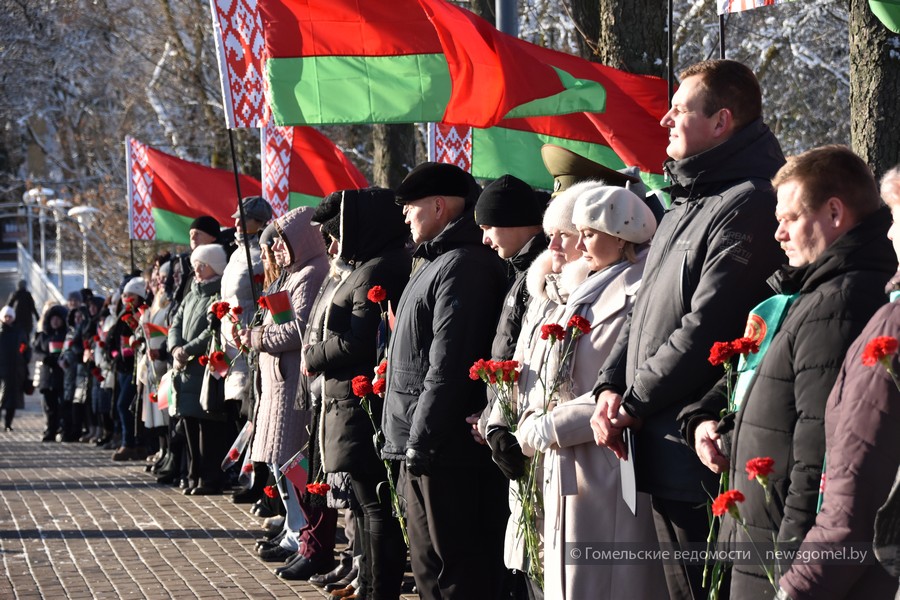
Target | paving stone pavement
(74,524)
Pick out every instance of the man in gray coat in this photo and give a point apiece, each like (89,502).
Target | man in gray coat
(707,268)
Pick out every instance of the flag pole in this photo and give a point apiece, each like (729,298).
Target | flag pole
(722,36)
(670,54)
(237,187)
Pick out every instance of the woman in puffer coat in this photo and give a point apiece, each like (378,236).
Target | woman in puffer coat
(189,339)
(372,253)
(48,344)
(280,428)
(582,490)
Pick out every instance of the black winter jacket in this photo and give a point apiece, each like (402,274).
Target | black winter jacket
(783,412)
(373,241)
(510,323)
(48,344)
(446,320)
(706,269)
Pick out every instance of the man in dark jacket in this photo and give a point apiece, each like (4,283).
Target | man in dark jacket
(446,320)
(707,267)
(23,303)
(833,229)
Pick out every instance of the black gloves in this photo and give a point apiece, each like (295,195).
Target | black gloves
(507,453)
(419,462)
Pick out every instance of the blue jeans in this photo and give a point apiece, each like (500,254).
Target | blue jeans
(127,392)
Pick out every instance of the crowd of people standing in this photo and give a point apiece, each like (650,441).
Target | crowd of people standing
(496,379)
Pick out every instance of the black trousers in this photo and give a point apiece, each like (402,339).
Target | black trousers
(383,549)
(456,518)
(51,411)
(207,444)
(682,523)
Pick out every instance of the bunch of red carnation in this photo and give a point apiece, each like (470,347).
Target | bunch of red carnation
(723,352)
(319,489)
(494,371)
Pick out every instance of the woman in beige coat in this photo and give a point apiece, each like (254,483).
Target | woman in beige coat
(582,490)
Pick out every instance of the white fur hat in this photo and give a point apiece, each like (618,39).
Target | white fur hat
(136,286)
(615,211)
(7,310)
(212,255)
(558,215)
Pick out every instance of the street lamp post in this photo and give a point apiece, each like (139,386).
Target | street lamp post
(59,211)
(84,215)
(35,198)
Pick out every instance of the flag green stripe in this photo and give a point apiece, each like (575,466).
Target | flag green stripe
(282,317)
(498,150)
(580,95)
(296,199)
(172,227)
(319,90)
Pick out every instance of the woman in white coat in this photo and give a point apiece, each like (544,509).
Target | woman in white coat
(582,490)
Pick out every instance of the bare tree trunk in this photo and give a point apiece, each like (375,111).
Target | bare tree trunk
(394,153)
(874,89)
(629,35)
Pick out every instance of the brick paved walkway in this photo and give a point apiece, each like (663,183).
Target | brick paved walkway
(74,524)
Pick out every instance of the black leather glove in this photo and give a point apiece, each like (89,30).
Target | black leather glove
(506,453)
(419,462)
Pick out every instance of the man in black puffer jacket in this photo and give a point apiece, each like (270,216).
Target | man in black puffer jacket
(446,319)
(707,268)
(833,229)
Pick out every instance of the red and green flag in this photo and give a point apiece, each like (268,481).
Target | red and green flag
(296,470)
(627,133)
(56,347)
(166,193)
(348,61)
(279,304)
(301,166)
(155,331)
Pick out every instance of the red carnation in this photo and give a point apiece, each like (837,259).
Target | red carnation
(727,503)
(101,344)
(153,397)
(259,278)
(759,467)
(361,385)
(382,368)
(319,489)
(878,349)
(203,360)
(262,302)
(98,375)
(85,344)
(237,311)
(22,348)
(580,323)
(379,386)
(247,468)
(233,454)
(477,369)
(721,353)
(96,338)
(508,369)
(377,294)
(745,345)
(217,356)
(270,491)
(553,330)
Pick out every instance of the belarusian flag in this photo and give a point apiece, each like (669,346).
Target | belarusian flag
(166,193)
(279,304)
(627,133)
(301,166)
(56,347)
(155,331)
(348,61)
(296,469)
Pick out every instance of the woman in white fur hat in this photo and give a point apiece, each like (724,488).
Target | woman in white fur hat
(582,490)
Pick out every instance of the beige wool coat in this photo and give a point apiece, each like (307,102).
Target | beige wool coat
(582,489)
